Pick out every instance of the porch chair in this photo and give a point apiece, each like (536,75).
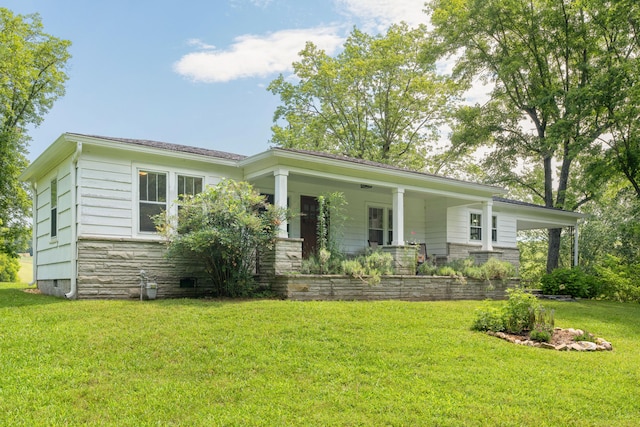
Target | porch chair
(422,253)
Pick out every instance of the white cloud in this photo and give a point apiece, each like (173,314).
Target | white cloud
(379,14)
(255,56)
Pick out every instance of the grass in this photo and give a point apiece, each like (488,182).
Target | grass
(267,362)
(25,275)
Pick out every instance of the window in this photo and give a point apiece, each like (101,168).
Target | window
(379,226)
(475,224)
(475,227)
(152,197)
(188,186)
(54,208)
(494,228)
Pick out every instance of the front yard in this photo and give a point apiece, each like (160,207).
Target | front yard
(268,362)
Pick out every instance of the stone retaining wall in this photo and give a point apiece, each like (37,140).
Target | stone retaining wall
(111,269)
(459,251)
(408,288)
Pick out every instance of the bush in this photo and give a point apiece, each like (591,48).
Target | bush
(569,281)
(497,269)
(540,335)
(373,265)
(619,281)
(223,227)
(489,319)
(9,267)
(520,311)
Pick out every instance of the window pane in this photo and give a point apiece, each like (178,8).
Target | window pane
(161,188)
(376,236)
(375,218)
(147,210)
(54,193)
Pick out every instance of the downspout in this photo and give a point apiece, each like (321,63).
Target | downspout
(75,196)
(34,233)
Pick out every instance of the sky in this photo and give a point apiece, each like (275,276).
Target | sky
(190,72)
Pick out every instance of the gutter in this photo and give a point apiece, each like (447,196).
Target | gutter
(34,234)
(72,294)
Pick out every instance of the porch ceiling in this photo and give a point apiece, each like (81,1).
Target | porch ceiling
(351,185)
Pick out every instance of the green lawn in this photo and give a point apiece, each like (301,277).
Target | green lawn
(196,362)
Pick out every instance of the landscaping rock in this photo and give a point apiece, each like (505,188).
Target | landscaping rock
(562,340)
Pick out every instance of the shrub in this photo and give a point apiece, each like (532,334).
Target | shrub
(520,311)
(427,269)
(497,269)
(540,335)
(618,281)
(447,271)
(372,265)
(9,267)
(585,336)
(489,319)
(223,227)
(569,281)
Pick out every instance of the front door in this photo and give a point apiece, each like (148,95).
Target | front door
(309,225)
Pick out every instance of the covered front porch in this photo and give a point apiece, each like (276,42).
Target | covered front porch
(390,208)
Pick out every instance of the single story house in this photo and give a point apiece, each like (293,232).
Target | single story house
(92,197)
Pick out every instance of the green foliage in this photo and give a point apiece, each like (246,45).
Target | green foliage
(582,94)
(32,78)
(540,335)
(9,267)
(330,230)
(379,99)
(369,267)
(570,281)
(223,227)
(619,281)
(532,245)
(585,336)
(493,269)
(520,311)
(489,319)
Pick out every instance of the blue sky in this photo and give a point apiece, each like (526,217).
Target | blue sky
(190,72)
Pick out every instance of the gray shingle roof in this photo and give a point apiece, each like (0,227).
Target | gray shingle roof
(170,147)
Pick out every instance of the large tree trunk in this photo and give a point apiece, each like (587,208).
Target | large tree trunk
(553,254)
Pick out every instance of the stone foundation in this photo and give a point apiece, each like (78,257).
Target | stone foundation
(111,269)
(404,258)
(57,288)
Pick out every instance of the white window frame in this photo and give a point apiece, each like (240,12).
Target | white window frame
(172,202)
(138,200)
(53,205)
(387,223)
(494,227)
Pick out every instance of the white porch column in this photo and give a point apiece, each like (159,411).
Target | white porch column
(398,216)
(575,245)
(280,197)
(487,215)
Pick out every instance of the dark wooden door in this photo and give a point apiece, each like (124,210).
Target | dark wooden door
(308,225)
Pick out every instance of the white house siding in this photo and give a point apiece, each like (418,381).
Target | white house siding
(109,188)
(106,193)
(436,226)
(355,230)
(53,271)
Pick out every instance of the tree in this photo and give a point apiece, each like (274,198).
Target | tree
(32,77)
(223,227)
(380,99)
(619,27)
(551,96)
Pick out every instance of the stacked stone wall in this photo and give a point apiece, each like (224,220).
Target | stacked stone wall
(111,269)
(408,288)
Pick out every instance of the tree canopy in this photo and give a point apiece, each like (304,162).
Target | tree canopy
(554,90)
(32,77)
(380,99)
